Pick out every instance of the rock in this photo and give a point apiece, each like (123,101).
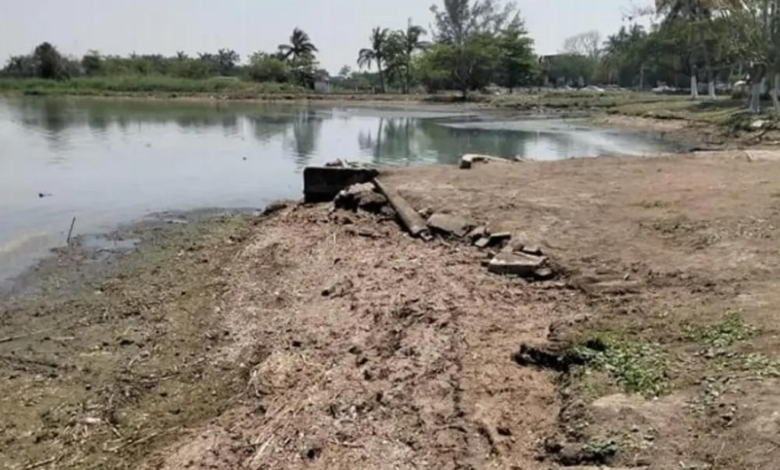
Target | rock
(449,225)
(531,250)
(468,161)
(483,242)
(360,196)
(477,233)
(516,264)
(372,202)
(498,238)
(544,274)
(338,289)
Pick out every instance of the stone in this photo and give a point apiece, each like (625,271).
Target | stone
(477,233)
(531,250)
(544,274)
(483,242)
(500,237)
(362,196)
(516,264)
(449,225)
(468,161)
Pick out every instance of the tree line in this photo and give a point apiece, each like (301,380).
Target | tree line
(474,44)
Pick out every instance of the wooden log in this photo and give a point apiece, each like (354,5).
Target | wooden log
(411,220)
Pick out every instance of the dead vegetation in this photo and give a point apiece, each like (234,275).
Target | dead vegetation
(334,340)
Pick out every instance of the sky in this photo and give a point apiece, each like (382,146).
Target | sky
(339,28)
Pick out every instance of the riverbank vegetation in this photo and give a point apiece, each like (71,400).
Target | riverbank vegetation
(472,46)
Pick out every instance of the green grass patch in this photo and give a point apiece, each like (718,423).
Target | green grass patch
(143,85)
(638,368)
(723,334)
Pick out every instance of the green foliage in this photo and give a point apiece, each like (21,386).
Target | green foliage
(637,367)
(723,334)
(265,68)
(47,62)
(516,60)
(140,84)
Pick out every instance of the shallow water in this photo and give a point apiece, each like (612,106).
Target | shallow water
(107,162)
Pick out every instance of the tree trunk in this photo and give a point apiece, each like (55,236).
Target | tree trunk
(776,93)
(711,89)
(757,81)
(694,87)
(381,76)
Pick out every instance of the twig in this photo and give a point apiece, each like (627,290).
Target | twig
(70,232)
(42,463)
(9,339)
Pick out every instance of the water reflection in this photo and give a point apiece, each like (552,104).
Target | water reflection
(382,137)
(110,161)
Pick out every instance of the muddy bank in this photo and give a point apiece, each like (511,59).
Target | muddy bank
(322,338)
(105,346)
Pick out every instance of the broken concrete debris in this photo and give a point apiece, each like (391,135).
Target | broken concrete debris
(517,264)
(468,161)
(477,233)
(360,196)
(322,184)
(410,219)
(449,225)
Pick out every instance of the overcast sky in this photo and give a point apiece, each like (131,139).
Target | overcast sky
(338,27)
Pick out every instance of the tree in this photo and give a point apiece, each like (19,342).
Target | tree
(696,18)
(403,45)
(467,33)
(376,53)
(460,20)
(47,62)
(226,60)
(266,68)
(19,66)
(468,67)
(587,44)
(92,63)
(300,47)
(516,60)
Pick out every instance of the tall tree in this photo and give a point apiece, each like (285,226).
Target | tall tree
(300,46)
(376,53)
(405,44)
(47,61)
(460,20)
(587,44)
(516,61)
(696,17)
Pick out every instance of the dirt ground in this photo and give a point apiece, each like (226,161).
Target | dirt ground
(315,338)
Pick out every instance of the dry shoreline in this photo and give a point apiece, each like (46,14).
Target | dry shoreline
(310,338)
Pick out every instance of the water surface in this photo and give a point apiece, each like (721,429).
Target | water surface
(106,162)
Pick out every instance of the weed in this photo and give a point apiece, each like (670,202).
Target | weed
(637,367)
(723,334)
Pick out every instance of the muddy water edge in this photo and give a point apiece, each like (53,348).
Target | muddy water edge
(104,353)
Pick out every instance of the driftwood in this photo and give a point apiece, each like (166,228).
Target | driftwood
(409,217)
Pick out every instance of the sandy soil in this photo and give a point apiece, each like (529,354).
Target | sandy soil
(342,343)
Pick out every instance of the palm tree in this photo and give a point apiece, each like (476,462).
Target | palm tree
(409,42)
(300,46)
(377,53)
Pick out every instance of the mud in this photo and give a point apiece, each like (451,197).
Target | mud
(322,338)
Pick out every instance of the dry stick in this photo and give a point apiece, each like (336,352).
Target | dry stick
(70,232)
(42,463)
(9,339)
